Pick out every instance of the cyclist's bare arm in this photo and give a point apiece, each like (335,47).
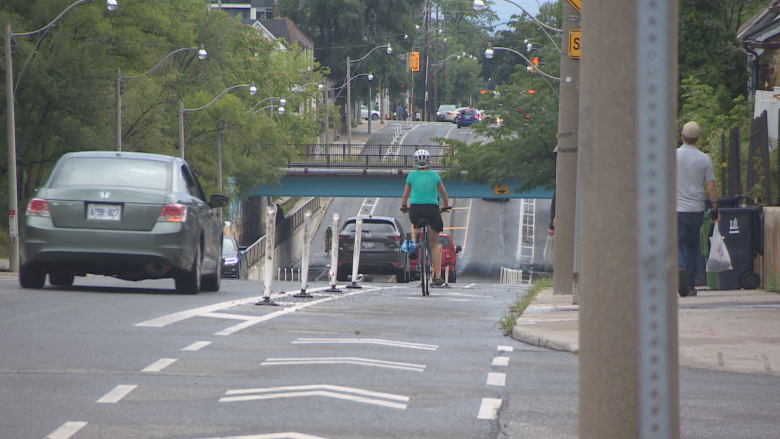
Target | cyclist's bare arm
(446,200)
(405,198)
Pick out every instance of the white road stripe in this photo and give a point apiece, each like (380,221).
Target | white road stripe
(117,394)
(496,379)
(67,430)
(198,345)
(290,435)
(159,365)
(489,408)
(343,360)
(314,393)
(400,344)
(506,348)
(501,361)
(339,392)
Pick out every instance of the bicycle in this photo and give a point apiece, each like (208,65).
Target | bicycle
(424,258)
(328,243)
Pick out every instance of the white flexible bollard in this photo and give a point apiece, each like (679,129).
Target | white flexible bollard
(356,252)
(303,272)
(270,240)
(334,255)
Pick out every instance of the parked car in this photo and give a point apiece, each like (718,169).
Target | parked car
(364,113)
(453,116)
(467,117)
(133,216)
(444,110)
(234,260)
(380,251)
(449,258)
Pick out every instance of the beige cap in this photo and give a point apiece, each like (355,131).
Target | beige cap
(691,130)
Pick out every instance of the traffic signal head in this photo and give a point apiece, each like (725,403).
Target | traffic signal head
(535,61)
(531,91)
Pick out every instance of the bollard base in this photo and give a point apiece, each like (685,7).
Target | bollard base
(332,289)
(266,302)
(354,285)
(303,295)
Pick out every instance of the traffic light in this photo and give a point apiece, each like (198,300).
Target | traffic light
(414,61)
(535,62)
(531,91)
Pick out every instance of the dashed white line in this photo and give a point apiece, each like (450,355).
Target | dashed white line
(159,365)
(117,394)
(506,348)
(198,345)
(67,430)
(496,379)
(489,408)
(501,361)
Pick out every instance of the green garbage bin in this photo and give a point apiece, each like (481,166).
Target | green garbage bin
(704,238)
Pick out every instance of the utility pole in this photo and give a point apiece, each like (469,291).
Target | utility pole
(564,276)
(349,107)
(628,385)
(426,99)
(436,70)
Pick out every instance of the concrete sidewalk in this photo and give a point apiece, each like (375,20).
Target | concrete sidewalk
(736,331)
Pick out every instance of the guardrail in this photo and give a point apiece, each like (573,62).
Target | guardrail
(513,276)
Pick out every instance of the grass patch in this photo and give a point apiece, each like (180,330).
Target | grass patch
(5,247)
(522,300)
(772,287)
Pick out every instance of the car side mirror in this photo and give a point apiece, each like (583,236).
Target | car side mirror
(218,200)
(458,249)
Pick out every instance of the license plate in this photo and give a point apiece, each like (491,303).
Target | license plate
(104,212)
(368,245)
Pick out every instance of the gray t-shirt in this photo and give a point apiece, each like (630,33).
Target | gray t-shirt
(694,169)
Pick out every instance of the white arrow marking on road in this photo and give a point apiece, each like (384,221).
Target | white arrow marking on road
(117,394)
(338,392)
(489,408)
(290,435)
(66,430)
(400,344)
(344,360)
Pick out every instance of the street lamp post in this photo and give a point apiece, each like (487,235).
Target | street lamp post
(201,56)
(13,201)
(489,52)
(182,110)
(370,104)
(349,88)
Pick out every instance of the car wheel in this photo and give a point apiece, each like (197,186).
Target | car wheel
(458,126)
(342,275)
(452,277)
(374,117)
(60,279)
(402,276)
(212,283)
(31,277)
(189,282)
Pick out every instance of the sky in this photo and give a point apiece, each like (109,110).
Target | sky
(505,10)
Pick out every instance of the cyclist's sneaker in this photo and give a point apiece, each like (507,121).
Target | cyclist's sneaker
(409,246)
(437,281)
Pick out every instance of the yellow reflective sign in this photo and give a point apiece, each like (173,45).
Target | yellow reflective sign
(574,44)
(501,189)
(414,62)
(577,5)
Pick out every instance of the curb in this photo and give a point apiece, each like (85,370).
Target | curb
(543,342)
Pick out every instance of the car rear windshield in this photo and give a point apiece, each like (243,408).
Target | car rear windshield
(444,242)
(106,171)
(371,226)
(468,112)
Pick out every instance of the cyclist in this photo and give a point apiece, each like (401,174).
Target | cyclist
(421,187)
(328,239)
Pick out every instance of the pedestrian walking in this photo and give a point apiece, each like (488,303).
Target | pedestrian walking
(694,174)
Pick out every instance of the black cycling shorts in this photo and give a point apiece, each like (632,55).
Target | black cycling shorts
(430,212)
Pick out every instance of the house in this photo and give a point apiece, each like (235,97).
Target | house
(758,38)
(245,9)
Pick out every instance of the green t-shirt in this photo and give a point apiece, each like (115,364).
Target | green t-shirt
(425,187)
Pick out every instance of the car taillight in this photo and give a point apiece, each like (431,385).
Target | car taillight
(38,207)
(173,213)
(395,238)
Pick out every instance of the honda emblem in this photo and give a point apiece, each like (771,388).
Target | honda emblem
(105,195)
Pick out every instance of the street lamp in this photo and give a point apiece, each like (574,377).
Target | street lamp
(489,52)
(13,217)
(119,78)
(282,103)
(349,88)
(182,110)
(479,6)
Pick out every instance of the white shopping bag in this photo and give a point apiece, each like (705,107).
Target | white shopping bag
(548,249)
(719,256)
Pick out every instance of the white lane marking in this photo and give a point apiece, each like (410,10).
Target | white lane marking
(400,344)
(489,408)
(198,345)
(117,394)
(496,379)
(66,430)
(444,299)
(289,435)
(159,365)
(338,392)
(501,361)
(506,348)
(344,360)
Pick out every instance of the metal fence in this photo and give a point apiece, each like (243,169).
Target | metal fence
(366,156)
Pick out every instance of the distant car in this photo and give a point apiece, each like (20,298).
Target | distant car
(449,258)
(453,116)
(133,216)
(364,113)
(234,261)
(466,117)
(380,251)
(444,110)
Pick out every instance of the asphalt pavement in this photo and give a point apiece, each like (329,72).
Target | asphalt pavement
(737,331)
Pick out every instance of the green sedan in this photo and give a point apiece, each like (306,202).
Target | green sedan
(133,216)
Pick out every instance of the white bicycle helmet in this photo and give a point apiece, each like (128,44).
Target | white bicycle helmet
(422,159)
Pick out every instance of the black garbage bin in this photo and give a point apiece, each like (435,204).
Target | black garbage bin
(741,230)
(701,261)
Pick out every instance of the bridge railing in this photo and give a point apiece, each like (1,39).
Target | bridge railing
(368,156)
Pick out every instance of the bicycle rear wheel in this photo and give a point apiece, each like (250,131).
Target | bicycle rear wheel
(424,263)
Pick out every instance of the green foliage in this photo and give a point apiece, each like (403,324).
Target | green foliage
(522,301)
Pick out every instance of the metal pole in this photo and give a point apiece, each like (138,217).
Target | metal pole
(349,107)
(219,167)
(13,209)
(327,119)
(356,252)
(181,130)
(118,110)
(334,255)
(370,107)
